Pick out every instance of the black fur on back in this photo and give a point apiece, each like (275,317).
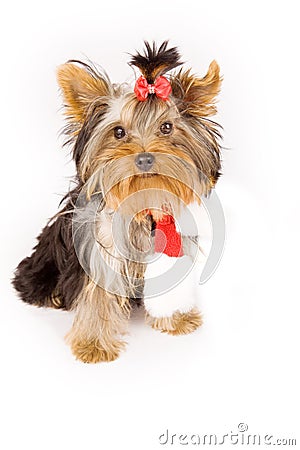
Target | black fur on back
(52,275)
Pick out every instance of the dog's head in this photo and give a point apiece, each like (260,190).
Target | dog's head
(156,141)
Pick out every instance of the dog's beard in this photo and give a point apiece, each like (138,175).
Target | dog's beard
(169,184)
(137,195)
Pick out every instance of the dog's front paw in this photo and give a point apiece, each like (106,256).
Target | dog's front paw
(178,323)
(93,352)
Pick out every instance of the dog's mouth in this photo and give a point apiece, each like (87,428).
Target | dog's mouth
(147,175)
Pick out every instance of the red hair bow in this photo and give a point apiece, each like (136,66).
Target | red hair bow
(161,88)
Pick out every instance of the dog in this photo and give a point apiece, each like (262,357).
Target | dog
(127,233)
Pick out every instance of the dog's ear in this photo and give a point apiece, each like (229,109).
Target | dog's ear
(80,87)
(197,95)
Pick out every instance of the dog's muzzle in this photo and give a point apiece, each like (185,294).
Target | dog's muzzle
(144,161)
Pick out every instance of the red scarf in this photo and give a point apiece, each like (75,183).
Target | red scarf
(169,240)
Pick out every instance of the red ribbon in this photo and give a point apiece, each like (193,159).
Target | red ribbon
(161,88)
(168,240)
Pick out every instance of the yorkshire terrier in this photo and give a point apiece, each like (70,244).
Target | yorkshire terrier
(127,233)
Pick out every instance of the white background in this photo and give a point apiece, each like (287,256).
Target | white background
(242,366)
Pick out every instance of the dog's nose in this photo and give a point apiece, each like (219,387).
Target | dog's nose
(144,161)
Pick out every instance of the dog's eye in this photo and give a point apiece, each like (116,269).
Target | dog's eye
(119,132)
(166,128)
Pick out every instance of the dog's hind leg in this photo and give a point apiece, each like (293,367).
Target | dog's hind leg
(36,276)
(52,275)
